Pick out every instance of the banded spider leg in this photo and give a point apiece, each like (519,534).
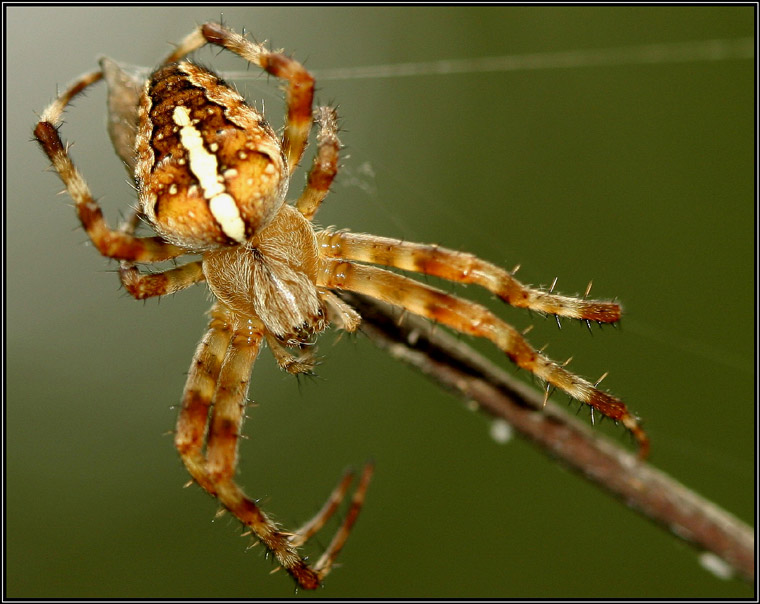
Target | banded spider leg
(342,268)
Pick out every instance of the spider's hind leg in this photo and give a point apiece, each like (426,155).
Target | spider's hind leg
(109,242)
(54,111)
(300,91)
(325,165)
(141,285)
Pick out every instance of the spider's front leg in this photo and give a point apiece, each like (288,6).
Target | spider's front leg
(219,375)
(198,395)
(474,319)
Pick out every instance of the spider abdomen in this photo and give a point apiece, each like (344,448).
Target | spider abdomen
(210,170)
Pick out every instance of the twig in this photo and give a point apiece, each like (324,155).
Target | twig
(654,494)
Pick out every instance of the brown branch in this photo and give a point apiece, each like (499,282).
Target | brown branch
(657,496)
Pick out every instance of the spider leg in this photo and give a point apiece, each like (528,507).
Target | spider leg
(221,451)
(53,112)
(219,374)
(325,165)
(313,526)
(310,528)
(300,92)
(340,313)
(141,286)
(461,268)
(474,319)
(109,242)
(326,560)
(290,363)
(199,394)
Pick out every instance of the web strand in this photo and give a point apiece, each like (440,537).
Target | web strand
(725,49)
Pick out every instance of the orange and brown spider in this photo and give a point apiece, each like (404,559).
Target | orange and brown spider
(212,177)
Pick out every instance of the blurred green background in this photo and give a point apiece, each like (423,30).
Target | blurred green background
(638,176)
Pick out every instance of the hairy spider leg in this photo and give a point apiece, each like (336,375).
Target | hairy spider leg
(300,91)
(460,267)
(312,526)
(217,383)
(474,319)
(198,395)
(326,560)
(325,165)
(109,242)
(147,285)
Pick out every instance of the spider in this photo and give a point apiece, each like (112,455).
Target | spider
(212,177)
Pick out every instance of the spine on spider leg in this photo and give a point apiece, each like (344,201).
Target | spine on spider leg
(566,306)
(514,293)
(525,357)
(471,318)
(462,267)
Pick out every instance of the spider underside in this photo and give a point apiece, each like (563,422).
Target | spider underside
(212,177)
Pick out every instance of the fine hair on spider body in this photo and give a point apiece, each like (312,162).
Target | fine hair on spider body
(212,178)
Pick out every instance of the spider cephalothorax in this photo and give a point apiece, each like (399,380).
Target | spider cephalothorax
(212,177)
